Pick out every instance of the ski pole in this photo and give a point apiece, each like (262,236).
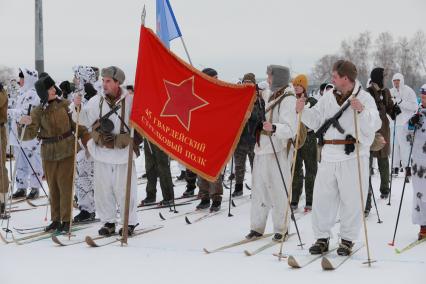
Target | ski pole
(391,167)
(369,261)
(375,205)
(12,183)
(31,166)
(289,195)
(230,188)
(403,188)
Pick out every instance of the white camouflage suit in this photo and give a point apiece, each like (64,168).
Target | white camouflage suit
(419,173)
(84,182)
(268,193)
(27,96)
(406,99)
(110,165)
(337,185)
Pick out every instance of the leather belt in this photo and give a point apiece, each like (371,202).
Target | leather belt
(339,142)
(55,139)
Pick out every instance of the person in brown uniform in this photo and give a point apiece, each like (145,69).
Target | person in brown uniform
(385,106)
(4,181)
(51,122)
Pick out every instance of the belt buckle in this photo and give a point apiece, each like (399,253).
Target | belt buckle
(60,137)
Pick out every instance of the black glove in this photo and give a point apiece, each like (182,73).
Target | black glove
(1,87)
(415,120)
(349,148)
(89,90)
(396,110)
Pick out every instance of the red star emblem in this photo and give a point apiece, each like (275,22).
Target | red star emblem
(182,101)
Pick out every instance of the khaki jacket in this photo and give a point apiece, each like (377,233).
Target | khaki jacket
(52,121)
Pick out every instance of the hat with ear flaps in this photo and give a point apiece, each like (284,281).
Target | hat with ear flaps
(42,85)
(280,76)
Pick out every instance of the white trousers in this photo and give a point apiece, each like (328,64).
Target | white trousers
(268,193)
(84,182)
(337,185)
(110,191)
(402,146)
(25,176)
(419,193)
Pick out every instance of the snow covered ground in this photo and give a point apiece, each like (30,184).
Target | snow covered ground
(174,254)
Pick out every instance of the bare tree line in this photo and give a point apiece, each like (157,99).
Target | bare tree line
(403,55)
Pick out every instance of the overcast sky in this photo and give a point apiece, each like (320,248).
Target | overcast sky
(232,36)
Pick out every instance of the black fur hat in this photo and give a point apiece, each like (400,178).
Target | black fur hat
(42,85)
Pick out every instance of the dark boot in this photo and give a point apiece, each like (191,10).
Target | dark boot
(366,212)
(84,216)
(216,204)
(408,171)
(65,227)
(395,172)
(34,193)
(293,205)
(238,190)
(20,192)
(166,203)
(231,176)
(253,235)
(148,201)
(320,246)
(182,175)
(189,191)
(54,226)
(107,230)
(204,204)
(345,248)
(130,230)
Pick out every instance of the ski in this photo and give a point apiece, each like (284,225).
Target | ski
(191,212)
(266,246)
(332,262)
(41,228)
(32,204)
(178,198)
(244,241)
(42,236)
(410,246)
(305,260)
(164,206)
(91,241)
(205,216)
(66,242)
(211,214)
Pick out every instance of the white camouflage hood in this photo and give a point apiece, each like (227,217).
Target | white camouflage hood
(400,77)
(30,77)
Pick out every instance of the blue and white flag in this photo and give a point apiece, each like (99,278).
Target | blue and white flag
(167,26)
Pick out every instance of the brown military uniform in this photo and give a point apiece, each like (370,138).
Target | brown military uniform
(385,106)
(4,180)
(54,126)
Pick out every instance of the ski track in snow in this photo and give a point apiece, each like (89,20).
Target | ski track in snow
(175,253)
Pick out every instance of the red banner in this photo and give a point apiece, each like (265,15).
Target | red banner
(192,117)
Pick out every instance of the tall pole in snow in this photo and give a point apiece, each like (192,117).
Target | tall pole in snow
(39,53)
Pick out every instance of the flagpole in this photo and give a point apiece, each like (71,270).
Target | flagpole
(186,50)
(125,232)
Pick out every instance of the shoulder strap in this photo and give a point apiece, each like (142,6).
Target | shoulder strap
(101,103)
